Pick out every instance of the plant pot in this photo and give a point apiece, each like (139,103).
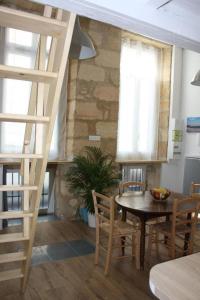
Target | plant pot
(83,214)
(91,220)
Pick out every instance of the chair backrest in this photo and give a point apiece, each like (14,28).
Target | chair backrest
(131,186)
(104,208)
(185,214)
(195,189)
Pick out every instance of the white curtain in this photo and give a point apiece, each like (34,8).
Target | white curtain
(20,49)
(139,101)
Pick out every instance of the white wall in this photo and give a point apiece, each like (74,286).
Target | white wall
(184,104)
(176,23)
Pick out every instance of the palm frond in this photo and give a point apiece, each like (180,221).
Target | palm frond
(92,170)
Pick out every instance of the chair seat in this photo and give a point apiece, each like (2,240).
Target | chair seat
(166,228)
(120,228)
(132,220)
(135,221)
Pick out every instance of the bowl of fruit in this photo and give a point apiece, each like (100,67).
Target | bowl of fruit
(160,193)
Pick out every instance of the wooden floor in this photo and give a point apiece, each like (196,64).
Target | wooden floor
(77,278)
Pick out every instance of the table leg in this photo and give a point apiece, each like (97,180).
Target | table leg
(166,237)
(187,236)
(123,215)
(142,242)
(123,239)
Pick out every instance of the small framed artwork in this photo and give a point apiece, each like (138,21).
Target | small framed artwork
(193,124)
(177,135)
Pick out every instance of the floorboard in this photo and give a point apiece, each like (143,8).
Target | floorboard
(77,278)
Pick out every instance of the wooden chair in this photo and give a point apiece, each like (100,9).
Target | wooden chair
(113,230)
(195,193)
(195,190)
(131,186)
(134,187)
(180,228)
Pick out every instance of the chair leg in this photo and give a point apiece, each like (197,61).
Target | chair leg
(96,260)
(150,241)
(109,254)
(157,243)
(136,249)
(190,246)
(172,250)
(123,241)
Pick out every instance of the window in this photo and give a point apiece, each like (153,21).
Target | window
(20,48)
(134,173)
(20,51)
(12,199)
(139,100)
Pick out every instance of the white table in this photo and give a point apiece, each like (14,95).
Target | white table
(178,279)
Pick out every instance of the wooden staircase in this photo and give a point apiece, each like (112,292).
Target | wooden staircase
(43,107)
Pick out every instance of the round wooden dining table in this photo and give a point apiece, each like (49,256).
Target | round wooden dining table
(145,208)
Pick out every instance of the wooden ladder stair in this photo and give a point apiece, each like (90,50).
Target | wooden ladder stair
(43,107)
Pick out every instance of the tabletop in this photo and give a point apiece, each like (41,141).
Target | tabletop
(144,202)
(177,279)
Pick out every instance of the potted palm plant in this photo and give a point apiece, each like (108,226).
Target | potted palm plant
(94,170)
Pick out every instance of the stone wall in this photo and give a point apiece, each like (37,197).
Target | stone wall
(164,103)
(93,92)
(92,109)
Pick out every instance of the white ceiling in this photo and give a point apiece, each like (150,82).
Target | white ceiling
(177,22)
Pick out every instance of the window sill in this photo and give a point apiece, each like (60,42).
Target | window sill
(17,162)
(141,162)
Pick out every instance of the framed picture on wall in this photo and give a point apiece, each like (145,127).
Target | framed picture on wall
(193,124)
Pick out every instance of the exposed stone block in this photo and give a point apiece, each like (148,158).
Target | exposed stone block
(112,42)
(79,145)
(91,73)
(114,77)
(107,93)
(88,111)
(81,129)
(71,109)
(85,89)
(96,37)
(108,58)
(164,120)
(100,27)
(72,90)
(106,129)
(113,113)
(164,106)
(162,150)
(73,69)
(109,146)
(163,135)
(70,129)
(69,148)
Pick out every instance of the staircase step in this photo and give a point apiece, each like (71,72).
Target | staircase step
(18,188)
(26,74)
(14,214)
(30,22)
(23,118)
(12,237)
(19,156)
(11,274)
(10,257)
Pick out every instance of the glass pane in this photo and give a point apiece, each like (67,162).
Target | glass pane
(9,178)
(17,60)
(15,178)
(9,203)
(19,37)
(46,183)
